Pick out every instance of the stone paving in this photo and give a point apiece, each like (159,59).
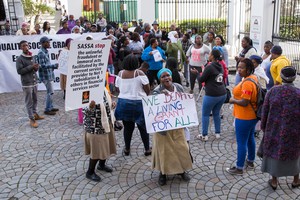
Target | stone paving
(49,163)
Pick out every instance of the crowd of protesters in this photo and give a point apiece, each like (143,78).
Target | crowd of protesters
(137,58)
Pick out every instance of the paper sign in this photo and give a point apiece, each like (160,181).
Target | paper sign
(87,66)
(167,112)
(157,56)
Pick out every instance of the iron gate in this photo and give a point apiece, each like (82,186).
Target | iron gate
(201,14)
(286,29)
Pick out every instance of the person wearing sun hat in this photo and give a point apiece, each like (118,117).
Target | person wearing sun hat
(156,31)
(279,61)
(280,146)
(170,152)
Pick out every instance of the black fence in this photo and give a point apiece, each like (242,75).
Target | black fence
(287,34)
(200,14)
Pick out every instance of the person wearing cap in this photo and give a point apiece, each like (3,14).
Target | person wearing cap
(78,23)
(279,61)
(27,68)
(134,23)
(93,28)
(46,74)
(23,30)
(76,30)
(156,31)
(65,29)
(280,146)
(170,152)
(125,30)
(101,22)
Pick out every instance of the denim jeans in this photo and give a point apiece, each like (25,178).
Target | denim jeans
(30,100)
(111,69)
(244,130)
(49,95)
(214,105)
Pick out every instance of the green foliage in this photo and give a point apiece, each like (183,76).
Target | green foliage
(201,24)
(290,27)
(33,9)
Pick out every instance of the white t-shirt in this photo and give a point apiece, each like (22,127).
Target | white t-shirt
(198,57)
(132,88)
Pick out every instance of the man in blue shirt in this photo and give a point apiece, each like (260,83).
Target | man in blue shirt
(46,74)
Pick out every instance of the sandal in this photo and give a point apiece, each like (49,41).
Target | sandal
(274,187)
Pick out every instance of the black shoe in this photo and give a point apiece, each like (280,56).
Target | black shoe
(105,168)
(162,180)
(185,176)
(126,152)
(187,84)
(93,177)
(148,153)
(54,109)
(49,113)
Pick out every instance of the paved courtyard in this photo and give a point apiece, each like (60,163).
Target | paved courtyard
(49,163)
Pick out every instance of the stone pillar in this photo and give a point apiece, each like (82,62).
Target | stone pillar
(233,29)
(146,10)
(261,26)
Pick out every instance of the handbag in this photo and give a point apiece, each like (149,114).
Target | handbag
(260,150)
(228,95)
(118,126)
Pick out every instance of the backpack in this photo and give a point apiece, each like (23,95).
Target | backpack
(261,94)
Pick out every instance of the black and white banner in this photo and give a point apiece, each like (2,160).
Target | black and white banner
(9,51)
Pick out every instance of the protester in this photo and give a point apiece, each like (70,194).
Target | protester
(194,34)
(136,46)
(47,30)
(210,42)
(172,65)
(174,49)
(209,30)
(220,45)
(170,148)
(46,74)
(99,137)
(101,22)
(156,31)
(27,68)
(279,61)
(281,124)
(63,65)
(266,64)
(148,57)
(71,22)
(133,84)
(7,30)
(37,29)
(196,57)
(215,94)
(23,30)
(186,43)
(244,102)
(247,51)
(65,29)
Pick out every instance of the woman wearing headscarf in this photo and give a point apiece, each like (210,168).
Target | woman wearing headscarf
(247,51)
(174,49)
(99,137)
(170,153)
(244,102)
(63,65)
(215,94)
(281,124)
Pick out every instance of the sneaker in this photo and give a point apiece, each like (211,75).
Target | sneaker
(54,109)
(50,113)
(38,117)
(33,123)
(249,165)
(204,138)
(218,136)
(234,171)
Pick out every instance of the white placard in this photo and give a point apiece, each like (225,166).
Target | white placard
(10,80)
(157,56)
(168,112)
(86,73)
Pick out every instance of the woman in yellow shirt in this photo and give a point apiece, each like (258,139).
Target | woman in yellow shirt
(244,102)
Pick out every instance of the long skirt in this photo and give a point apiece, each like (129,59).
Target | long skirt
(279,168)
(100,146)
(170,152)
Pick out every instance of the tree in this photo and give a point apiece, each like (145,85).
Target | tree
(35,9)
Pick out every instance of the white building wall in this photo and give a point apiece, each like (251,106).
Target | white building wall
(146,10)
(73,7)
